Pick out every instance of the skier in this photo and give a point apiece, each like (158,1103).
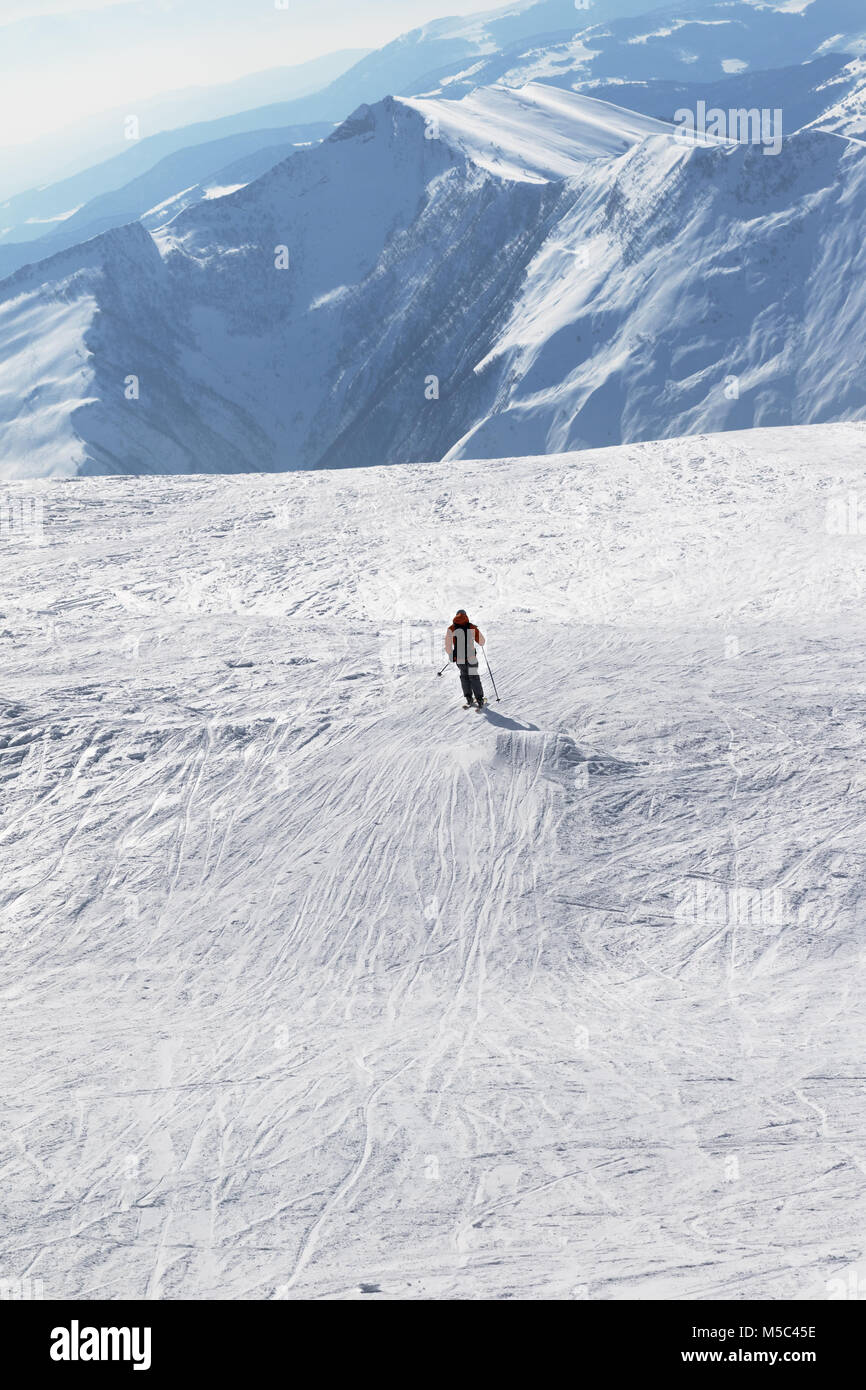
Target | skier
(460,643)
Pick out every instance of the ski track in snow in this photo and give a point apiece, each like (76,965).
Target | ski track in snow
(315,985)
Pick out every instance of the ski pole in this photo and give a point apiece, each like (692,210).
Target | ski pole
(445,667)
(492,677)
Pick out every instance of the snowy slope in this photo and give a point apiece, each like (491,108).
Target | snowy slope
(65,377)
(725,291)
(846,115)
(536,130)
(314,985)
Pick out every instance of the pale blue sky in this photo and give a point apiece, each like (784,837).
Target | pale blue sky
(61,60)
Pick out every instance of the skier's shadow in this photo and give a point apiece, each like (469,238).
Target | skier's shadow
(503,722)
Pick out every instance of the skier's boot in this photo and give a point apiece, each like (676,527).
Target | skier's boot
(469,704)
(482,703)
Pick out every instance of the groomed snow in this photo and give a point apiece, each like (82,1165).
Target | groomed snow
(315,985)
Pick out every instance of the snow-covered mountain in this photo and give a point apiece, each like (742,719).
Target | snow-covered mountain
(584,278)
(155,195)
(212,317)
(474,269)
(434,53)
(806,93)
(699,42)
(592,47)
(316,986)
(180,120)
(847,113)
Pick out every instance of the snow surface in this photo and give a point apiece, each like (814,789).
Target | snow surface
(315,985)
(537,132)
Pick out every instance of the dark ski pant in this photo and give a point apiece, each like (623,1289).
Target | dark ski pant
(470,681)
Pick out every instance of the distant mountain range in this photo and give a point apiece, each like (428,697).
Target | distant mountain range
(28,172)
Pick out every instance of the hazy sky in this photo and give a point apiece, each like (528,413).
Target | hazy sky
(61,60)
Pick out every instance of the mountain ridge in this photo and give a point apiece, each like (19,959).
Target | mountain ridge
(519,269)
